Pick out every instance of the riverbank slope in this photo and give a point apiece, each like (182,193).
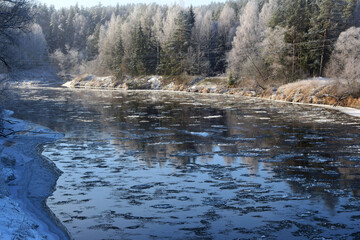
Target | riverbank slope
(26,181)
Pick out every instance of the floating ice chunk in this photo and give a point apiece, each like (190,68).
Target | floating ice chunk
(200,134)
(215,116)
(133,116)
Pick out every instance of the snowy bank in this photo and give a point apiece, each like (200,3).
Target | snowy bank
(26,181)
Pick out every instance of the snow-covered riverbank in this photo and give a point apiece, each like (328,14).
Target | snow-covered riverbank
(26,180)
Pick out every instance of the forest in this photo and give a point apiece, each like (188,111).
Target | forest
(270,41)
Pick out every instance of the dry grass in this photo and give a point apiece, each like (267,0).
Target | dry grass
(218,81)
(318,91)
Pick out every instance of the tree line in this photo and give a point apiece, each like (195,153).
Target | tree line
(264,40)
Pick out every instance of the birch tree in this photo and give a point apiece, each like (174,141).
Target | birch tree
(244,56)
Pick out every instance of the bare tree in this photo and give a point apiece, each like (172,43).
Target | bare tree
(14,15)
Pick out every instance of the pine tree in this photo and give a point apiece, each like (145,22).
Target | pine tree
(294,15)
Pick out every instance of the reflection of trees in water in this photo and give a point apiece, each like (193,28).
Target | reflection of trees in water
(138,121)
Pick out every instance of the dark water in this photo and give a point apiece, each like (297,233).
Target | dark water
(153,165)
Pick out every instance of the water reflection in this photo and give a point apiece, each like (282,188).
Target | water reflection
(140,165)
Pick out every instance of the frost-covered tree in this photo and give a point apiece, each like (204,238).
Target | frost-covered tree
(345,60)
(174,54)
(244,56)
(227,25)
(275,55)
(15,15)
(198,57)
(226,31)
(29,51)
(109,37)
(66,63)
(148,38)
(80,31)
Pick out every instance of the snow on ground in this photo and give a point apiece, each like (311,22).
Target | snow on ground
(25,182)
(16,223)
(350,111)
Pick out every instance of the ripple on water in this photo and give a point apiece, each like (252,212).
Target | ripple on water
(143,165)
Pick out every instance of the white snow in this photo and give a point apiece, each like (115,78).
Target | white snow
(19,217)
(350,111)
(15,223)
(155,82)
(67,84)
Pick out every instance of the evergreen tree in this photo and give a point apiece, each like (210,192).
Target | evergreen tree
(175,50)
(313,27)
(117,63)
(92,47)
(294,15)
(191,17)
(136,65)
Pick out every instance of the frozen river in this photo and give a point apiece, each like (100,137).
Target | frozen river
(156,165)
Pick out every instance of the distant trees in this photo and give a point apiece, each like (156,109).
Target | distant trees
(261,40)
(312,27)
(284,40)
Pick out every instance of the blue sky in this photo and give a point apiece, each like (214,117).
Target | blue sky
(89,3)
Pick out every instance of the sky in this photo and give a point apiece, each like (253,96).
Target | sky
(89,3)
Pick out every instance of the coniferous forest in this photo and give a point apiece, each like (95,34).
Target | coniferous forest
(265,40)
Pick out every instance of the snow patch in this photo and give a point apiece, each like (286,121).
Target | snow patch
(350,111)
(155,82)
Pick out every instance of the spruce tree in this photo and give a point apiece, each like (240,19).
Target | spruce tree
(175,51)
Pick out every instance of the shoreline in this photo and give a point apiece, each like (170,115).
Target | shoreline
(312,92)
(28,179)
(355,112)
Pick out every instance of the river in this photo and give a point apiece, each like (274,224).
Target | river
(160,165)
